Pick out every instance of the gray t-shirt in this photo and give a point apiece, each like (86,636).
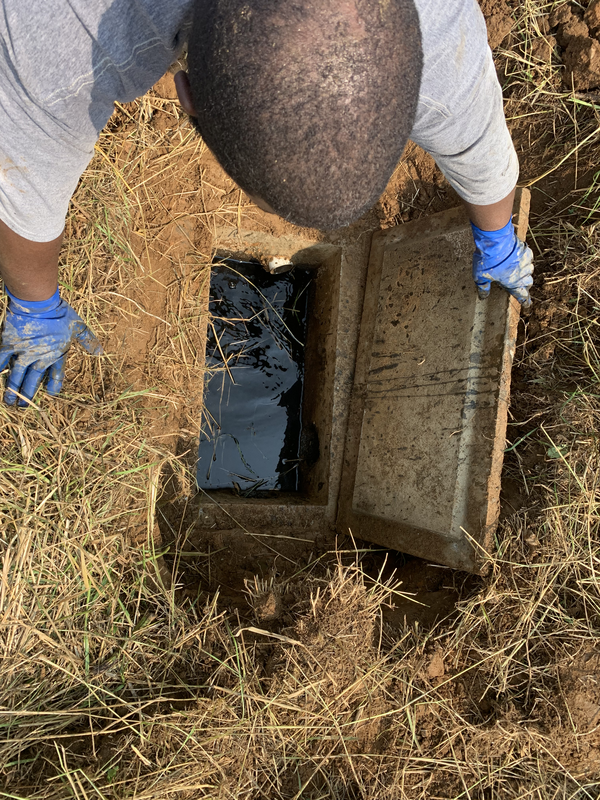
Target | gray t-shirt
(64,64)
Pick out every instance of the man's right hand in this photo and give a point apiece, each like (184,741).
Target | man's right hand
(34,342)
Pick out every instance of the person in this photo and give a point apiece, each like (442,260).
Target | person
(307,105)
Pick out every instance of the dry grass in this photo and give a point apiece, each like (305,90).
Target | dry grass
(112,686)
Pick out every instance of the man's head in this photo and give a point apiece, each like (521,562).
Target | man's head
(307,104)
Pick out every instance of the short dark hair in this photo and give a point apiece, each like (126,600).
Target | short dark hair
(307,104)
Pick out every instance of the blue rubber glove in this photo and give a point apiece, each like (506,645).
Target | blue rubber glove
(35,339)
(502,257)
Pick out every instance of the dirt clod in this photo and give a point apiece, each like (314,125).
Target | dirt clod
(576,33)
(582,64)
(543,24)
(592,18)
(265,599)
(436,667)
(560,15)
(572,28)
(542,48)
(498,20)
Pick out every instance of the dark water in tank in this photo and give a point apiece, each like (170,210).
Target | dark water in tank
(252,422)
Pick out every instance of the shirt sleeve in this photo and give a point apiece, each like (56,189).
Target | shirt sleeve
(461,123)
(40,165)
(62,66)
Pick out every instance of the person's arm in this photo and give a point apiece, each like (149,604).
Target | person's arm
(494,216)
(39,326)
(29,269)
(500,256)
(460,122)
(476,154)
(43,152)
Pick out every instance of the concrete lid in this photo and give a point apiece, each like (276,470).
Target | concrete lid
(428,413)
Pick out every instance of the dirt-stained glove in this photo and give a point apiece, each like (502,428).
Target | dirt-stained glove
(502,257)
(35,340)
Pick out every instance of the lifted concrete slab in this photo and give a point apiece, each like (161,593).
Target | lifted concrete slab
(427,423)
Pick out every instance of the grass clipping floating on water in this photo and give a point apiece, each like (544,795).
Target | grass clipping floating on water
(112,687)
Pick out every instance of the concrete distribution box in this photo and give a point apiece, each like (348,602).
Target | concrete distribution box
(407,386)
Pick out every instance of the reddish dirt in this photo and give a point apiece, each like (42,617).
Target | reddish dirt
(577,34)
(168,243)
(576,725)
(499,21)
(228,561)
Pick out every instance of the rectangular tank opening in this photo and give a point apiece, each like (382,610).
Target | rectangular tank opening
(269,384)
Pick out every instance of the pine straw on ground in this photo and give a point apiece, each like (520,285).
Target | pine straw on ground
(110,688)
